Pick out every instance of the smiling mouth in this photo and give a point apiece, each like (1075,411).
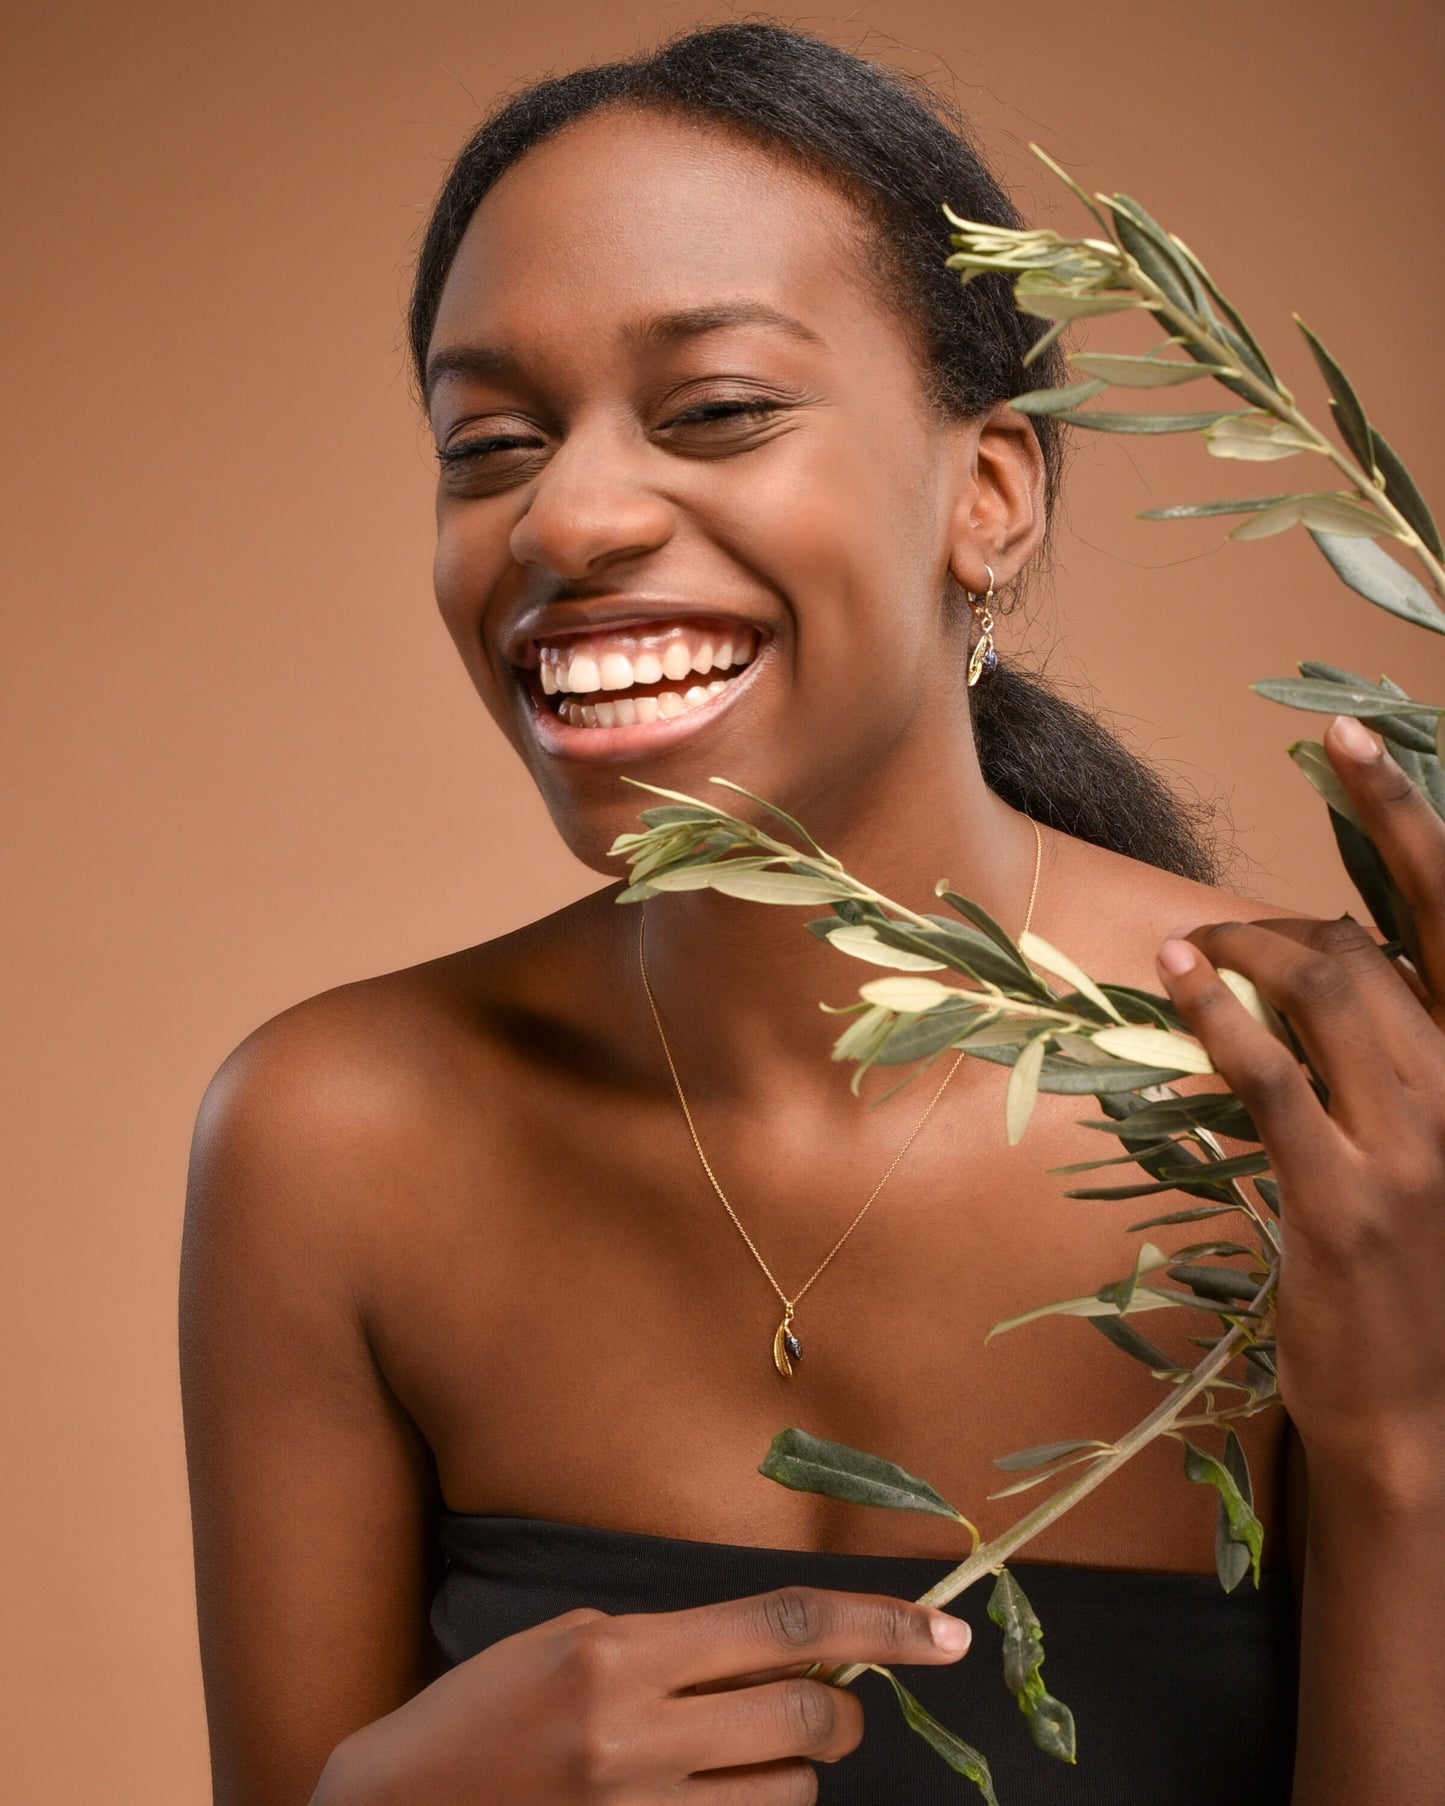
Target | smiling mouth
(635,676)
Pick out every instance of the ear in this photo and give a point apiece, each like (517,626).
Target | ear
(999,517)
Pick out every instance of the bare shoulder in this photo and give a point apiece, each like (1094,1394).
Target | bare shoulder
(322,1132)
(1115,911)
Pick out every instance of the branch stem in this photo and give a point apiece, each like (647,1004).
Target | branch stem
(989,1557)
(1283,408)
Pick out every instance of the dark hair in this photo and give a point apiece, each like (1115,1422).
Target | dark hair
(899,151)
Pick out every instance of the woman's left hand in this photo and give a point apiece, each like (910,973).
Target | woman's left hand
(1361,1310)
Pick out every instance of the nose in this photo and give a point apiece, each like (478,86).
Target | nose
(590,508)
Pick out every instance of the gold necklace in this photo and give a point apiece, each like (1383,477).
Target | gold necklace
(786,1346)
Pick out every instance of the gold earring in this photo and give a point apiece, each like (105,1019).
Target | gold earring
(983,659)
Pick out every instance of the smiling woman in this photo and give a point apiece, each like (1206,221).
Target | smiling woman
(475,1356)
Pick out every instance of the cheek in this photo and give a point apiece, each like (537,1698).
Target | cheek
(854,534)
(462,579)
(464,570)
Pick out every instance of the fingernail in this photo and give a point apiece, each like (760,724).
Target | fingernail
(1354,738)
(951,1635)
(1177,957)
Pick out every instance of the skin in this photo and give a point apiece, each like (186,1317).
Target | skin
(443,1222)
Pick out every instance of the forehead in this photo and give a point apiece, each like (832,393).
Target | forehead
(629,213)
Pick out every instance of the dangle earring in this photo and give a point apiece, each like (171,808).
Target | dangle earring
(983,660)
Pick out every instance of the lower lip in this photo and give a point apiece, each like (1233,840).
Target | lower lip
(616,745)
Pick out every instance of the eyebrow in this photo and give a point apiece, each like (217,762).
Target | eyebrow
(691,322)
(656,333)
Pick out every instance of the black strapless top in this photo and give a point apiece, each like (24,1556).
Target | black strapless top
(1183,1695)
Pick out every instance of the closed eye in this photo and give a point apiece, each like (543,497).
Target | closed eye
(723,410)
(481,448)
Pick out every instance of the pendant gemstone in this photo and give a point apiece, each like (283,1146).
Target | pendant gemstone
(793,1346)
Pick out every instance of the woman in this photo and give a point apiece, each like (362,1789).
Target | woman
(724,455)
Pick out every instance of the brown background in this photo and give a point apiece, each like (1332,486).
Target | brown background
(245,763)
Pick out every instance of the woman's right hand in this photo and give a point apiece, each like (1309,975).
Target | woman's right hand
(707,1704)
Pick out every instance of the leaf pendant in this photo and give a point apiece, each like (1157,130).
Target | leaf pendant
(786,1347)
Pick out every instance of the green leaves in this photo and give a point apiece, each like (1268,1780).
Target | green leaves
(962,1757)
(1023,1088)
(1402,491)
(1154,1047)
(807,1463)
(1136,372)
(1342,515)
(1370,572)
(1345,694)
(1101,422)
(1054,401)
(1256,438)
(1051,1723)
(770,887)
(1344,403)
(1239,1535)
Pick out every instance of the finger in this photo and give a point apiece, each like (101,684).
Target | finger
(1258,1068)
(765,1784)
(789,1626)
(1409,834)
(1364,1032)
(783,1721)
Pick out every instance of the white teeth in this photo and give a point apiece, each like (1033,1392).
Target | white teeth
(615,671)
(670,704)
(744,650)
(722,657)
(717,684)
(549,677)
(588,714)
(646,708)
(582,673)
(625,709)
(606,713)
(647,668)
(676,661)
(702,658)
(694,696)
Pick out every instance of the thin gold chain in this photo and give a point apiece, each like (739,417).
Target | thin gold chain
(791,1304)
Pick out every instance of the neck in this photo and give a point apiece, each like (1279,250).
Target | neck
(739,985)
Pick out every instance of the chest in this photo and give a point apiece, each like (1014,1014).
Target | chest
(583,1333)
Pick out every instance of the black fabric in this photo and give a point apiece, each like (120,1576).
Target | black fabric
(1183,1694)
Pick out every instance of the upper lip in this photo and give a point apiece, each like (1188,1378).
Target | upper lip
(547,622)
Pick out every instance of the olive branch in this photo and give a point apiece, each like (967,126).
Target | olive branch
(1026,1005)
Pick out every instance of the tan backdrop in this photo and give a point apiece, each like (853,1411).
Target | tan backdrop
(244,762)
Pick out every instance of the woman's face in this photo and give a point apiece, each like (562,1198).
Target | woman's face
(695,513)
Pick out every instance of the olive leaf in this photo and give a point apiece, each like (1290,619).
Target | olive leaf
(1343,515)
(962,1757)
(1051,1723)
(808,1463)
(1255,438)
(1023,1088)
(1045,1454)
(1039,953)
(1124,1336)
(1236,1505)
(1345,404)
(1135,372)
(1059,400)
(1201,510)
(772,887)
(1401,489)
(1100,422)
(1371,572)
(1155,1046)
(862,941)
